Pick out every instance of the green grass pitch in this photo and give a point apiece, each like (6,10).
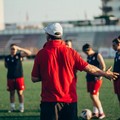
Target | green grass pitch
(32,96)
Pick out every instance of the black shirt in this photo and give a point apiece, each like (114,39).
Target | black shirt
(116,67)
(92,59)
(14,66)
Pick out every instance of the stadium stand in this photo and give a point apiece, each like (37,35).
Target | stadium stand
(104,39)
(29,41)
(97,36)
(80,38)
(3,42)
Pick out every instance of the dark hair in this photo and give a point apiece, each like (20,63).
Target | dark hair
(13,44)
(68,40)
(54,37)
(119,37)
(116,40)
(86,47)
(58,33)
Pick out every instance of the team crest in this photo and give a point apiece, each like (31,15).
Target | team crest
(16,57)
(8,59)
(93,58)
(119,57)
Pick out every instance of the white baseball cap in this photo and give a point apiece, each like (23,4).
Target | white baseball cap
(54,29)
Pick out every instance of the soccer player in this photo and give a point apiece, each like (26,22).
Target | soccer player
(15,80)
(55,66)
(93,82)
(116,47)
(68,43)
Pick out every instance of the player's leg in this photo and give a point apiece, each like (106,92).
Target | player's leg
(11,89)
(118,95)
(94,93)
(100,108)
(58,111)
(48,111)
(20,88)
(116,84)
(21,100)
(12,96)
(90,88)
(68,112)
(12,101)
(97,109)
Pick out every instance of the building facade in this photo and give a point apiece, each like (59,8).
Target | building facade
(2,26)
(111,7)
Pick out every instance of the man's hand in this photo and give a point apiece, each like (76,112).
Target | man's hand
(91,69)
(111,75)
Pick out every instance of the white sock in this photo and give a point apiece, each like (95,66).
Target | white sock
(22,105)
(12,105)
(101,110)
(95,109)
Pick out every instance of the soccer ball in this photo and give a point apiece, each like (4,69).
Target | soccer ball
(86,114)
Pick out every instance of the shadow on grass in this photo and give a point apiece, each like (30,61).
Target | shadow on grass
(26,110)
(16,115)
(118,119)
(20,118)
(80,118)
(3,111)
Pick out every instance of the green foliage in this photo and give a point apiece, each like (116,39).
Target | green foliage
(32,96)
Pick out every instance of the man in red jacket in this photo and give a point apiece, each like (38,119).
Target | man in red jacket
(55,66)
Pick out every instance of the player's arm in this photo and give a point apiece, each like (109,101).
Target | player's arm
(24,52)
(97,72)
(101,62)
(5,64)
(35,74)
(35,79)
(102,65)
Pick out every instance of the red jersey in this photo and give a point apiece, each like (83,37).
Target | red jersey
(56,66)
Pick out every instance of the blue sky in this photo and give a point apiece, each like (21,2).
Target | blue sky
(50,10)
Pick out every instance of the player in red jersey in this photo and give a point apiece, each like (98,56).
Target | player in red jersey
(15,79)
(55,66)
(116,47)
(93,82)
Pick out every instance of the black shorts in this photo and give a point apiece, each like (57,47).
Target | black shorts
(58,111)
